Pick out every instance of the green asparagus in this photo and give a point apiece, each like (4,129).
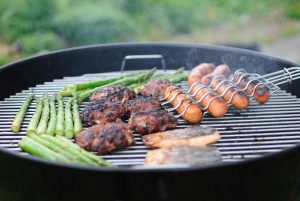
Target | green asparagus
(16,125)
(32,126)
(69,127)
(31,146)
(55,148)
(90,155)
(52,121)
(42,127)
(59,130)
(76,117)
(69,149)
(125,81)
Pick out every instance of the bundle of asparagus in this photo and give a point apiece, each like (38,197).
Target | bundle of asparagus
(61,149)
(134,80)
(45,120)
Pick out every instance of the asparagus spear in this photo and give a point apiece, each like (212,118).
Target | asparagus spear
(69,127)
(90,155)
(69,149)
(31,146)
(15,126)
(125,81)
(32,126)
(54,148)
(42,127)
(167,76)
(52,121)
(76,117)
(178,78)
(59,130)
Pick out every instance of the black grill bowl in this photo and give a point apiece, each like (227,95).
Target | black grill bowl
(273,177)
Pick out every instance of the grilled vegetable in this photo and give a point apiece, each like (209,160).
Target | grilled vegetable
(69,127)
(69,149)
(167,76)
(81,87)
(76,117)
(55,148)
(95,158)
(15,126)
(125,81)
(52,121)
(59,130)
(42,127)
(33,147)
(34,121)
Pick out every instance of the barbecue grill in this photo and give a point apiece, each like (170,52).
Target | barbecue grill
(259,145)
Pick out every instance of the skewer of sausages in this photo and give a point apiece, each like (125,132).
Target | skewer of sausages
(261,93)
(191,111)
(230,93)
(200,71)
(222,69)
(208,100)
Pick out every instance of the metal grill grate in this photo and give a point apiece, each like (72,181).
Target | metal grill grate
(259,130)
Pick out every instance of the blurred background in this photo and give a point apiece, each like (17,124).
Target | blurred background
(29,27)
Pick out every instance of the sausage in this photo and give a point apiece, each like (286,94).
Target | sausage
(217,107)
(261,94)
(240,100)
(193,113)
(199,71)
(222,69)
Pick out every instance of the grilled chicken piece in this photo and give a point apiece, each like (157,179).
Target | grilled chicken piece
(151,121)
(103,111)
(104,138)
(194,136)
(188,155)
(120,93)
(155,88)
(141,103)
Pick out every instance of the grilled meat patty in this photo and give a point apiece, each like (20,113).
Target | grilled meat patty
(194,136)
(103,111)
(187,155)
(120,93)
(151,121)
(141,103)
(155,88)
(104,138)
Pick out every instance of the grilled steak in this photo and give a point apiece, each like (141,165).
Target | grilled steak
(102,111)
(193,136)
(120,93)
(155,88)
(141,103)
(151,121)
(104,138)
(188,155)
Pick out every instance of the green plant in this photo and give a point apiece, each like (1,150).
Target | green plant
(87,24)
(36,42)
(26,16)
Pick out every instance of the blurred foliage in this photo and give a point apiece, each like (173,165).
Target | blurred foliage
(53,24)
(35,42)
(92,23)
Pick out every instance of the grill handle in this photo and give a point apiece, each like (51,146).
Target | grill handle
(144,56)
